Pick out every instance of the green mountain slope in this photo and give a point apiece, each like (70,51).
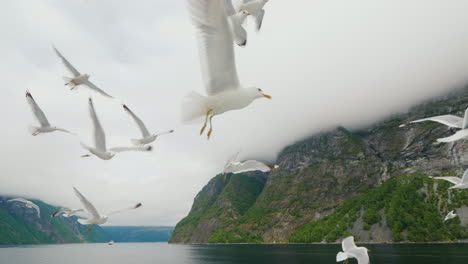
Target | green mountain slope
(139,233)
(20,225)
(320,177)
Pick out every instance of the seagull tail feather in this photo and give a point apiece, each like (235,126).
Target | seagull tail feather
(194,108)
(68,82)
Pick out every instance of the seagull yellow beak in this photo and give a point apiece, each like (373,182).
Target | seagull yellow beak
(248,13)
(267,96)
(368,250)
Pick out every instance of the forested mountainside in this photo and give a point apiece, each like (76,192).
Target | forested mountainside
(21,225)
(372,183)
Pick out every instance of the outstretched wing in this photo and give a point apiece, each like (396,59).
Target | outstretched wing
(126,209)
(38,210)
(93,87)
(457,136)
(40,116)
(259,18)
(454,180)
(135,148)
(18,200)
(87,204)
(448,120)
(67,64)
(215,43)
(348,244)
(141,125)
(99,136)
(231,160)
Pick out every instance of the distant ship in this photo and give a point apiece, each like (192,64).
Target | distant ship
(111,242)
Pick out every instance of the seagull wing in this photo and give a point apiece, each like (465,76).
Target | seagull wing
(231,160)
(135,148)
(87,204)
(452,179)
(99,136)
(40,116)
(465,177)
(93,87)
(360,253)
(254,165)
(215,45)
(348,244)
(37,208)
(448,120)
(18,200)
(457,136)
(67,64)
(259,18)
(125,209)
(141,125)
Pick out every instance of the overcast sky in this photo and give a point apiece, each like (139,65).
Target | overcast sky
(326,63)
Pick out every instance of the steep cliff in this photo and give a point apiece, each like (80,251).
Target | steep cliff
(21,225)
(334,175)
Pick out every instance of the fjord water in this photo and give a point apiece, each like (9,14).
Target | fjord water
(152,253)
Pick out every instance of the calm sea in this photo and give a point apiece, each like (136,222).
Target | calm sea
(162,253)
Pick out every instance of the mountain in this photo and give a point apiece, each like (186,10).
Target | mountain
(139,233)
(372,183)
(21,225)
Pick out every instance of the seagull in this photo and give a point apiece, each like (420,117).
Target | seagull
(234,166)
(45,126)
(147,137)
(66,212)
(218,67)
(459,183)
(78,78)
(351,251)
(235,20)
(99,148)
(254,7)
(450,121)
(96,218)
(450,215)
(27,204)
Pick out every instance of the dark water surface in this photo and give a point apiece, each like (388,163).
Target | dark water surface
(145,253)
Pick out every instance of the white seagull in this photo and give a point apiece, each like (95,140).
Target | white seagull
(27,204)
(218,66)
(459,183)
(450,215)
(66,212)
(234,166)
(45,126)
(235,20)
(254,7)
(147,137)
(450,121)
(78,78)
(96,218)
(350,250)
(99,148)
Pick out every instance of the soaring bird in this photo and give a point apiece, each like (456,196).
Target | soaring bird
(27,204)
(66,212)
(235,20)
(99,149)
(459,183)
(235,166)
(147,137)
(78,78)
(217,60)
(96,218)
(45,126)
(254,7)
(450,121)
(350,250)
(450,215)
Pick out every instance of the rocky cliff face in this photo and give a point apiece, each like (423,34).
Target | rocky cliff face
(21,225)
(317,176)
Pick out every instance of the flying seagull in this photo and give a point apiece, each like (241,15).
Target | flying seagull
(234,166)
(147,137)
(459,183)
(96,218)
(45,126)
(235,20)
(450,215)
(254,7)
(27,204)
(66,212)
(218,66)
(350,250)
(78,78)
(450,121)
(99,149)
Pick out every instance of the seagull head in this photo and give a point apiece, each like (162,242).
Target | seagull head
(260,94)
(245,13)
